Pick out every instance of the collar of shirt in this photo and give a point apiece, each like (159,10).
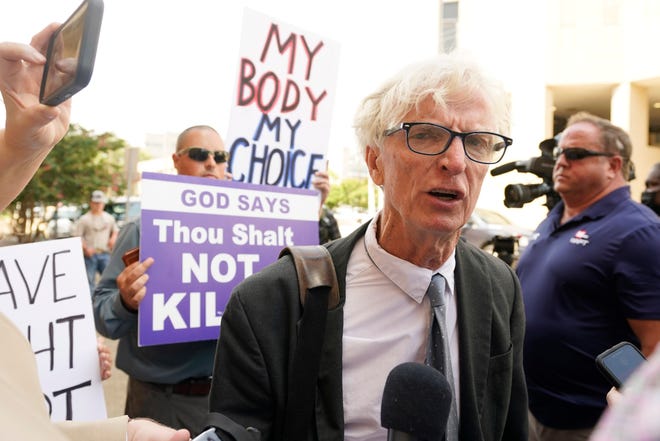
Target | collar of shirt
(410,278)
(602,207)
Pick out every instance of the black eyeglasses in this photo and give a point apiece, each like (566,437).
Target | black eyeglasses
(576,153)
(433,139)
(201,155)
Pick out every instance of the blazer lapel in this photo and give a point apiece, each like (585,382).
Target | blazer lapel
(474,289)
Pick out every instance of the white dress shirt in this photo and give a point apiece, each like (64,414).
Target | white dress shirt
(386,322)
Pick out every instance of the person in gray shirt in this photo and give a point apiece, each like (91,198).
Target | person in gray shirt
(167,383)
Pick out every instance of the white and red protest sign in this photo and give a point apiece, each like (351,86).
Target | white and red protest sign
(285,90)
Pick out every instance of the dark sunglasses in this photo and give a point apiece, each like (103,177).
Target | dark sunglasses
(201,155)
(576,153)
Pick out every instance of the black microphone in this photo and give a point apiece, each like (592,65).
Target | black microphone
(510,166)
(416,403)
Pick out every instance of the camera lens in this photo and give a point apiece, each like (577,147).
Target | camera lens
(516,195)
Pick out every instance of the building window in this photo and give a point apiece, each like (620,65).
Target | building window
(448,22)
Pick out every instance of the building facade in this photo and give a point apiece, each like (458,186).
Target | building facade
(558,57)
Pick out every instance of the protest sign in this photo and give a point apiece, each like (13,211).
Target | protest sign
(280,120)
(206,236)
(44,291)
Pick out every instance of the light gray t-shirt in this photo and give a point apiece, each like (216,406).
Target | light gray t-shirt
(96,230)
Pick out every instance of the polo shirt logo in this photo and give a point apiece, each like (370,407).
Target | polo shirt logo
(581,238)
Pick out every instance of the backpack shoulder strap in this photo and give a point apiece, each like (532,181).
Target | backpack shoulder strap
(315,269)
(228,429)
(318,291)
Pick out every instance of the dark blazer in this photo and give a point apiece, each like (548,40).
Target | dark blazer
(258,338)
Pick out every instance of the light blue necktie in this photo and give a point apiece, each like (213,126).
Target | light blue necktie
(438,354)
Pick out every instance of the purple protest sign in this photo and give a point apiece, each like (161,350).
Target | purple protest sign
(206,236)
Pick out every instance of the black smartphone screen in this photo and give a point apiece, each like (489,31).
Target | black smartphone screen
(619,362)
(71,54)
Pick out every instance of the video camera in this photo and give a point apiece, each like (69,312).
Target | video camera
(517,195)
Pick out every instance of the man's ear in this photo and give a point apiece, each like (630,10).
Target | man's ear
(616,166)
(371,157)
(175,160)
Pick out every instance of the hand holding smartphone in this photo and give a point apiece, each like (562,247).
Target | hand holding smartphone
(619,362)
(71,54)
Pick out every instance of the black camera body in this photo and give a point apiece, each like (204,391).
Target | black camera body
(517,195)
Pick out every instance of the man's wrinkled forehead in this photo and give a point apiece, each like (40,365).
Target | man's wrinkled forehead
(474,109)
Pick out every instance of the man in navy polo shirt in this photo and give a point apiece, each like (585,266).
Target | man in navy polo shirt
(590,279)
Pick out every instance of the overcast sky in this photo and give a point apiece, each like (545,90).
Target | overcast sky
(164,65)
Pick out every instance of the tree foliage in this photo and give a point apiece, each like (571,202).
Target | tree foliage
(79,164)
(350,191)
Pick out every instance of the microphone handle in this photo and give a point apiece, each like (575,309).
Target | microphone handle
(504,168)
(397,435)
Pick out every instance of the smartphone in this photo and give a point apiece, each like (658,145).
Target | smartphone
(130,256)
(71,54)
(618,362)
